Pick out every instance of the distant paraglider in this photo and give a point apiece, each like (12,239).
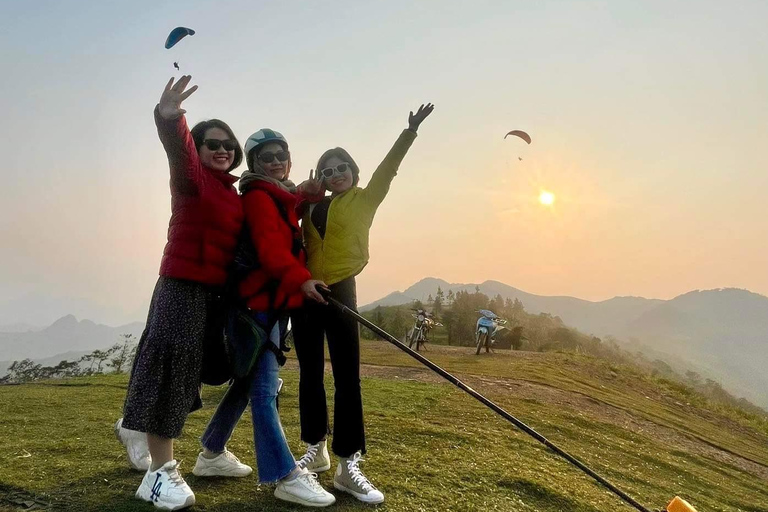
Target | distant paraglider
(177,35)
(174,37)
(521,134)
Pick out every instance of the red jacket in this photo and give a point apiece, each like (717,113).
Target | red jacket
(277,283)
(206,212)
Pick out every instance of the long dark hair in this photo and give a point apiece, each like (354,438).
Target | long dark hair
(198,135)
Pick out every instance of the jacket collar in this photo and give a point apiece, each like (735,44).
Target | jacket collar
(278,193)
(224,177)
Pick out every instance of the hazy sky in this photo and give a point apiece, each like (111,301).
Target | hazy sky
(649,122)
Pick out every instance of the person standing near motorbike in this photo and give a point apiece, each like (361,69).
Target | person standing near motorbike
(336,232)
(488,325)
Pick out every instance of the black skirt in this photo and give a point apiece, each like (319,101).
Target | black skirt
(164,386)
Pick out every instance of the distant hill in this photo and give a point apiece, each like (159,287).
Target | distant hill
(19,327)
(66,334)
(724,331)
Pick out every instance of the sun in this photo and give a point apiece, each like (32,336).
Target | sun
(546,198)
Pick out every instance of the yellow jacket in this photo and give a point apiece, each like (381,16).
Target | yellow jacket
(344,251)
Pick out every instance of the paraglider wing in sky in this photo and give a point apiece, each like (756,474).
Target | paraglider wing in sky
(521,134)
(177,35)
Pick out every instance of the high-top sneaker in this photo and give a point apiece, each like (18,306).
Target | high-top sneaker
(350,479)
(316,460)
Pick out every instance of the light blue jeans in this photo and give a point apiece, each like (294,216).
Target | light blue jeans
(274,459)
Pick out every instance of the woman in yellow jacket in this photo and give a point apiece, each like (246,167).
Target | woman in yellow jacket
(336,236)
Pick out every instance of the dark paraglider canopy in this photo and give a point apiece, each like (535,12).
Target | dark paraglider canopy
(177,35)
(521,134)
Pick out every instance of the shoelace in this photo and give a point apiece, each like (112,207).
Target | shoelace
(357,476)
(311,480)
(231,456)
(310,455)
(174,476)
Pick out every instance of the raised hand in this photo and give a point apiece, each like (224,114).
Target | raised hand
(414,120)
(173,96)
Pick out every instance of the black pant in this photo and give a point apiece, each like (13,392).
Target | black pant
(309,325)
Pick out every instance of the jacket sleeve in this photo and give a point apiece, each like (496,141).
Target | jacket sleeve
(377,188)
(267,229)
(303,200)
(186,170)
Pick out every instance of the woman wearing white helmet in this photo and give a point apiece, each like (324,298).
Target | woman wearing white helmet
(271,278)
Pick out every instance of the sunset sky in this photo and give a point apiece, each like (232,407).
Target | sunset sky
(649,123)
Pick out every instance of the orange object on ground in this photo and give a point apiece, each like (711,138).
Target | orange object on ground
(678,504)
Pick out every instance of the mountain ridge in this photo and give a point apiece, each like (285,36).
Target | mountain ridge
(66,334)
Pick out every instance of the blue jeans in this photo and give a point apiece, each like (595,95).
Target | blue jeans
(274,459)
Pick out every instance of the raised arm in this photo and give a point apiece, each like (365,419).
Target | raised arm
(186,171)
(378,187)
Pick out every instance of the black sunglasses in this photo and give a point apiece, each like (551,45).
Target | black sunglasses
(330,171)
(268,157)
(215,144)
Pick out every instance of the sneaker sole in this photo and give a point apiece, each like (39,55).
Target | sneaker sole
(293,499)
(361,497)
(188,503)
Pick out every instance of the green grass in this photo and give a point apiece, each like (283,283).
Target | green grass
(431,446)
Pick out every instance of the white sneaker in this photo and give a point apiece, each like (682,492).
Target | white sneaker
(316,460)
(135,445)
(304,490)
(166,489)
(224,464)
(349,478)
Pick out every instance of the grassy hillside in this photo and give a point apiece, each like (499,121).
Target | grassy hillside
(431,446)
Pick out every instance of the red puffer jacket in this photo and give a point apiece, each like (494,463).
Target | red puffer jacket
(206,211)
(277,283)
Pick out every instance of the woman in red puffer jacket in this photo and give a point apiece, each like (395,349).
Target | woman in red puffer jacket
(206,219)
(273,280)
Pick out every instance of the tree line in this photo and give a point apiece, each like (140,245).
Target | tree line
(458,312)
(116,359)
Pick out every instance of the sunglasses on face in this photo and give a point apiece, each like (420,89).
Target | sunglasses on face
(215,144)
(268,157)
(328,172)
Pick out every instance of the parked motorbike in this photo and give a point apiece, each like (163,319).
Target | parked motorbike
(488,325)
(424,322)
